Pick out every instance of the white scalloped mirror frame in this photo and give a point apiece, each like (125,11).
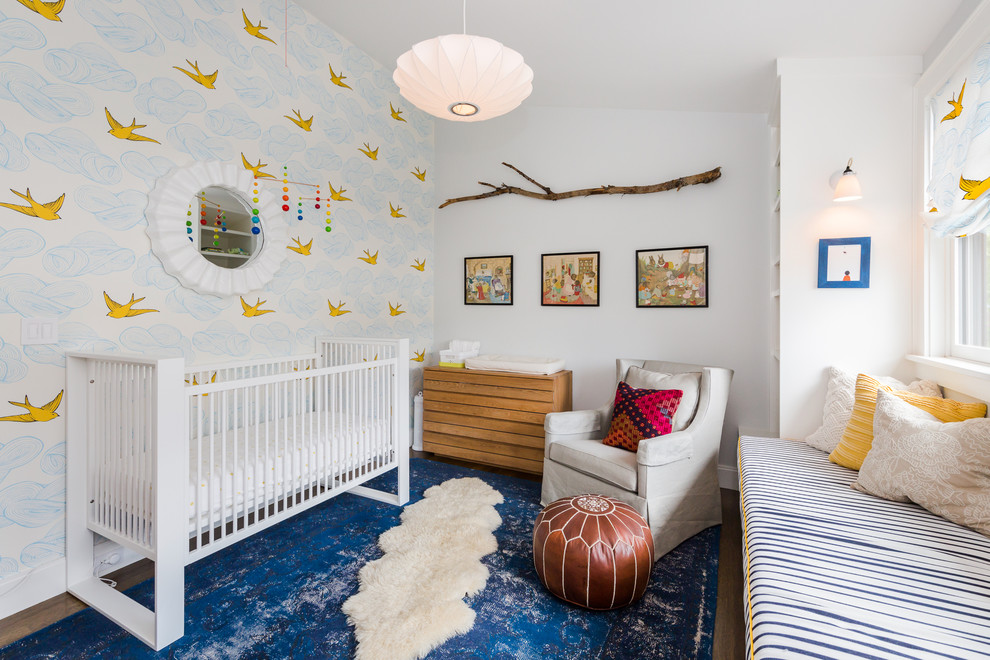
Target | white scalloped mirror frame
(168,205)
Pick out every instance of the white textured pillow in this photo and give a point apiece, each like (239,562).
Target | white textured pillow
(839,399)
(689,384)
(943,467)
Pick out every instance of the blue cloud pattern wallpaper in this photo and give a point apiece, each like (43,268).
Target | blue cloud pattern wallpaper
(98,99)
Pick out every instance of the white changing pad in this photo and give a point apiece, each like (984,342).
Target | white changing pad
(517,363)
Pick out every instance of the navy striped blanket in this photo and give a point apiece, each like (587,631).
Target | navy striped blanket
(834,573)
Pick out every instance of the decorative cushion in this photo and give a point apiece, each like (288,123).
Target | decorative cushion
(593,551)
(688,383)
(858,436)
(839,399)
(639,414)
(943,467)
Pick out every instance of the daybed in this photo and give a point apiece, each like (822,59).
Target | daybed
(834,573)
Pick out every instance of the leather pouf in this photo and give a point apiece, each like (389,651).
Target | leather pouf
(593,551)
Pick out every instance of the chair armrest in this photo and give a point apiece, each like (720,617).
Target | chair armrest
(572,425)
(573,421)
(665,449)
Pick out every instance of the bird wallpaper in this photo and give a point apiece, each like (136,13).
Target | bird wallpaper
(960,154)
(100,98)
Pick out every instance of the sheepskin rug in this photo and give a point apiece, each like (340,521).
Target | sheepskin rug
(411,600)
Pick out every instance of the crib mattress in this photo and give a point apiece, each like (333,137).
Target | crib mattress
(279,460)
(515,363)
(832,572)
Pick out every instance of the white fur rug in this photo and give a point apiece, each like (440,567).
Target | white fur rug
(410,600)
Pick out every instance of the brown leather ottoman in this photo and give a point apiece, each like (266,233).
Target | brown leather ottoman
(593,551)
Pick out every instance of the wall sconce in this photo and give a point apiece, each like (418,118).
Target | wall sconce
(846,185)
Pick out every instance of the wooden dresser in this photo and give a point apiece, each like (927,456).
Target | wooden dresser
(491,417)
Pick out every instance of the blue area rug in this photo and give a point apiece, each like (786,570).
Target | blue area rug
(278,594)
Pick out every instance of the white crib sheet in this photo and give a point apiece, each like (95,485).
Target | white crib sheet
(284,463)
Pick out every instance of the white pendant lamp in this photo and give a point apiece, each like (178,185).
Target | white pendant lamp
(463,77)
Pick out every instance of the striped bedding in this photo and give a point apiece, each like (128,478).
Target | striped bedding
(834,573)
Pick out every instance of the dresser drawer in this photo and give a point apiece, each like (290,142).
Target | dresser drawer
(490,417)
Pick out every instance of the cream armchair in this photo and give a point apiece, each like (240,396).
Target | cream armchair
(672,480)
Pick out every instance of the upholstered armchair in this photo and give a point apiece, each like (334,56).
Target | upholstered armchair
(672,480)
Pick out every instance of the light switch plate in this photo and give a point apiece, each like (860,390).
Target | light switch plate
(39,330)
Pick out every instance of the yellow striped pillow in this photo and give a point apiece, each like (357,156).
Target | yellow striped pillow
(858,436)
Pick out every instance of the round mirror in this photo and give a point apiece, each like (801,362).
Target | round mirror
(225,229)
(216,229)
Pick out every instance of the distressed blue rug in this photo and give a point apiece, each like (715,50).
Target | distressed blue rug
(278,594)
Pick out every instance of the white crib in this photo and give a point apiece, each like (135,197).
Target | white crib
(177,463)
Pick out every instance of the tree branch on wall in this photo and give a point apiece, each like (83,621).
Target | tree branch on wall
(504,189)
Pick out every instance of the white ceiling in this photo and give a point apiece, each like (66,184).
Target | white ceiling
(715,55)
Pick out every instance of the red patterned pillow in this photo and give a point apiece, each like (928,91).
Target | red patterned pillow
(640,414)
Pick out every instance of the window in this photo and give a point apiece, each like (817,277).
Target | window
(970,338)
(957,202)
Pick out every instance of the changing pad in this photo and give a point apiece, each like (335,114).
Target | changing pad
(517,363)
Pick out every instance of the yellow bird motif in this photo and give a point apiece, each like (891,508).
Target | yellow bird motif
(118,311)
(367,151)
(973,187)
(47,211)
(370,258)
(194,382)
(203,79)
(419,356)
(395,311)
(338,195)
(394,210)
(395,113)
(49,10)
(957,107)
(421,175)
(305,124)
(255,309)
(43,414)
(338,80)
(299,247)
(118,130)
(339,309)
(255,30)
(258,174)
(419,265)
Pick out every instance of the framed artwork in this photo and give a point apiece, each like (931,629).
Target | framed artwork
(488,280)
(844,263)
(672,277)
(570,278)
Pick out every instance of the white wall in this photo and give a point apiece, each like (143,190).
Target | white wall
(832,110)
(567,149)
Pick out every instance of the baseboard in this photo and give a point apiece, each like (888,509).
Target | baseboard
(728,477)
(23,590)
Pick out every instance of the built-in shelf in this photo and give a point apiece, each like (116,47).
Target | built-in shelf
(225,254)
(229,231)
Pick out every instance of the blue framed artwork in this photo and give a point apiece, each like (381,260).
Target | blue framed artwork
(844,263)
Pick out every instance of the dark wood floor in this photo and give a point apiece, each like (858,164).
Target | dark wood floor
(729,631)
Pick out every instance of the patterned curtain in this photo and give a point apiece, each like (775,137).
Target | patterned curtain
(960,162)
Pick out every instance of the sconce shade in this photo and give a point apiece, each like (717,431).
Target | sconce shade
(463,77)
(847,187)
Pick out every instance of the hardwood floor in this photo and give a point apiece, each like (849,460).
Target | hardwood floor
(729,623)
